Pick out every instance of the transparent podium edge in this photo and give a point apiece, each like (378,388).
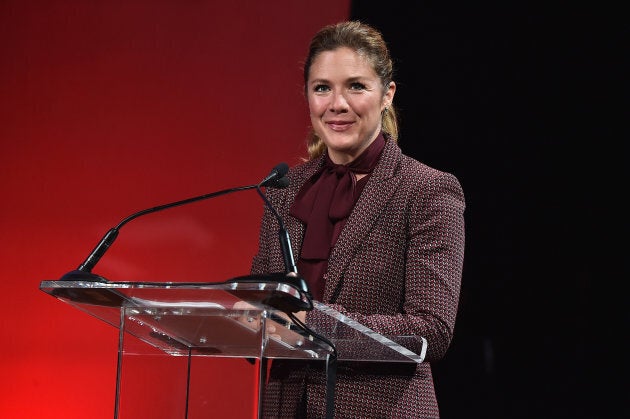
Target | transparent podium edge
(418,358)
(323,308)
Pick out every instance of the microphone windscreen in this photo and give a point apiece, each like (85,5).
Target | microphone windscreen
(281,169)
(281,183)
(278,172)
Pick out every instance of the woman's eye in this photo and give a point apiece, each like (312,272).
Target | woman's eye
(357,86)
(320,88)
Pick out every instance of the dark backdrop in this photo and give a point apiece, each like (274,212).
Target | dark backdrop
(522,103)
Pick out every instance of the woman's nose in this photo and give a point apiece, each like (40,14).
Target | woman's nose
(338,102)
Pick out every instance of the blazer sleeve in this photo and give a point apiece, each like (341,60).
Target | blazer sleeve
(435,257)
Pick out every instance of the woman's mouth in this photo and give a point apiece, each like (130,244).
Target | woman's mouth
(339,125)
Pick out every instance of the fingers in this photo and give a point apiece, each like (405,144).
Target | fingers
(250,319)
(277,327)
(243,305)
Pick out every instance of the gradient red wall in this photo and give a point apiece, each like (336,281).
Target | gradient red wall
(108,107)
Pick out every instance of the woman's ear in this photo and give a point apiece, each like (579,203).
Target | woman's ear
(388,97)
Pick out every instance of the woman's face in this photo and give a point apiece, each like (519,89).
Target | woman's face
(346,100)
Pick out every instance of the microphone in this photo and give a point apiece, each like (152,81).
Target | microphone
(278,177)
(277,173)
(281,183)
(275,179)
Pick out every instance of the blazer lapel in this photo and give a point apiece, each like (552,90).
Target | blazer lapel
(375,195)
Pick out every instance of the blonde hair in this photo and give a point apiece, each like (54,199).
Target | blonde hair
(366,41)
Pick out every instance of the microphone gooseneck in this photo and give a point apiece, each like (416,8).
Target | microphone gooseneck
(275,179)
(285,241)
(278,177)
(283,234)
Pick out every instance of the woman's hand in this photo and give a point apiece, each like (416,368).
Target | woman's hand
(277,325)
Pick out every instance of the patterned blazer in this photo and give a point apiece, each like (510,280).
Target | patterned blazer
(395,268)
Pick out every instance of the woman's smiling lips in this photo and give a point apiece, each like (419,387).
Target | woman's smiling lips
(339,125)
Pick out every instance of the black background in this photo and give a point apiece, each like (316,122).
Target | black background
(524,104)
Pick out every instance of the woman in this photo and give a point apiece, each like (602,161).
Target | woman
(380,236)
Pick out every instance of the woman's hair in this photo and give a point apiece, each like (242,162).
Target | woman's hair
(369,43)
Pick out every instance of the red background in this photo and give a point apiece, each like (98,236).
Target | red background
(109,107)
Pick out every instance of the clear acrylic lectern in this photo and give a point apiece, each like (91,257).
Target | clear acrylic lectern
(170,333)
